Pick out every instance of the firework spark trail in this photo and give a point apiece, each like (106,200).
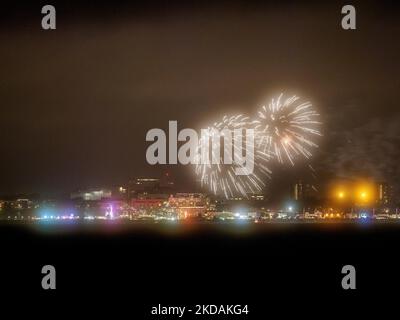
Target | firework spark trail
(221,177)
(286,128)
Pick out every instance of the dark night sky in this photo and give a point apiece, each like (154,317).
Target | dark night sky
(77,102)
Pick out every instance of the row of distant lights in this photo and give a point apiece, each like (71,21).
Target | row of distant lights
(73,217)
(53,217)
(49,217)
(64,217)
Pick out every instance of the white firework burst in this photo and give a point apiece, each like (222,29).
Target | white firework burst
(286,128)
(221,177)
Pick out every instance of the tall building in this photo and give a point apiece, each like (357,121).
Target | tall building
(385,194)
(298,191)
(305,193)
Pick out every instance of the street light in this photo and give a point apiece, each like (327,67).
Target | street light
(340,196)
(363,195)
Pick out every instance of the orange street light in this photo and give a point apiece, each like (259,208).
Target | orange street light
(341,195)
(363,195)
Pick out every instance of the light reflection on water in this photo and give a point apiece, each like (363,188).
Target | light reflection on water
(187,228)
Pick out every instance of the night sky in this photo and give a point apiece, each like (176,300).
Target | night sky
(76,102)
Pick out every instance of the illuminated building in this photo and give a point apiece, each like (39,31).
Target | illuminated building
(189,205)
(305,194)
(146,201)
(92,195)
(150,194)
(250,197)
(257,197)
(21,204)
(302,191)
(298,191)
(385,194)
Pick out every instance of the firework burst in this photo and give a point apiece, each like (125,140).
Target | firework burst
(286,128)
(221,177)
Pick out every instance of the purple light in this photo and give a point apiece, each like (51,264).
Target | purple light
(110,211)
